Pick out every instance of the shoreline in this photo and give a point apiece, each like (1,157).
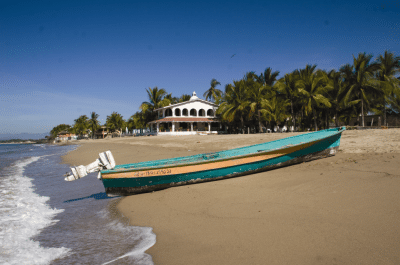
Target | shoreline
(339,209)
(19,143)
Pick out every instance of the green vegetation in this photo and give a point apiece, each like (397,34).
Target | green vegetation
(213,93)
(305,98)
(311,97)
(115,122)
(59,128)
(94,123)
(81,125)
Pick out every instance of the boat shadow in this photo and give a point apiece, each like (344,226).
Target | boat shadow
(96,196)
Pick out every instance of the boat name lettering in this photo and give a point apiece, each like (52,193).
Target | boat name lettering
(153,172)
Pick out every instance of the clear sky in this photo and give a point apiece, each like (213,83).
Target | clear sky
(63,59)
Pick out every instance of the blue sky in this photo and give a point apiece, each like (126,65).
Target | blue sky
(63,59)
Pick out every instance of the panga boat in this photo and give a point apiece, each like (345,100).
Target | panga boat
(159,174)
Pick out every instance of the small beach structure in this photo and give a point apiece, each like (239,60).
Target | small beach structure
(160,174)
(64,136)
(196,116)
(101,133)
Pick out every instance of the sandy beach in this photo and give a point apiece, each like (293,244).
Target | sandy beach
(343,209)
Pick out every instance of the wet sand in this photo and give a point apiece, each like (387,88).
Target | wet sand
(338,210)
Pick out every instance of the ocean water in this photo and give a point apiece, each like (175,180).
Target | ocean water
(45,220)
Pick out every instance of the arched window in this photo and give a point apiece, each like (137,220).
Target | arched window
(160,113)
(184,112)
(193,112)
(210,112)
(168,112)
(202,113)
(177,112)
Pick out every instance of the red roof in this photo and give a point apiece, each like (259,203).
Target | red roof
(191,119)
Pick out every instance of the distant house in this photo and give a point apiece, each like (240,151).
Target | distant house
(66,136)
(376,120)
(186,118)
(101,133)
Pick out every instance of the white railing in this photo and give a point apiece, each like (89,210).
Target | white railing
(186,133)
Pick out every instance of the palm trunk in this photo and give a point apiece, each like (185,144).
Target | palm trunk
(302,120)
(384,107)
(272,125)
(242,122)
(315,120)
(384,113)
(293,119)
(259,121)
(362,111)
(327,120)
(336,120)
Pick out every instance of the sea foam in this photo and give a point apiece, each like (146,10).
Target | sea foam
(23,214)
(143,237)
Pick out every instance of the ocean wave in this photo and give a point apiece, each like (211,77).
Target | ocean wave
(23,214)
(143,237)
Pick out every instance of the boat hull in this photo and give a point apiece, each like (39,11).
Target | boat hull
(135,182)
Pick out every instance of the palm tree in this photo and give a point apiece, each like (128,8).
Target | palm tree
(184,97)
(81,125)
(311,86)
(213,93)
(394,100)
(287,86)
(235,102)
(336,92)
(257,95)
(94,123)
(137,121)
(115,121)
(268,77)
(130,123)
(349,109)
(278,110)
(389,66)
(156,99)
(169,99)
(362,83)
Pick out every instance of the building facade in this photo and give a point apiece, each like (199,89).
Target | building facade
(65,136)
(195,116)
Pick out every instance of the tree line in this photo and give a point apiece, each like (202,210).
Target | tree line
(305,98)
(311,97)
(84,125)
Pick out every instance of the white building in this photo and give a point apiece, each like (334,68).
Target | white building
(65,136)
(186,118)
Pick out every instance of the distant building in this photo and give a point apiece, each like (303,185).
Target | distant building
(186,118)
(376,120)
(66,136)
(101,133)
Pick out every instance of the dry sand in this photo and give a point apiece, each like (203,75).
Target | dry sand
(338,210)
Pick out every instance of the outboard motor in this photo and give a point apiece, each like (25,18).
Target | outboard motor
(106,161)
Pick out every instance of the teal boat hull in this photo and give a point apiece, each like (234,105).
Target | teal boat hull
(152,175)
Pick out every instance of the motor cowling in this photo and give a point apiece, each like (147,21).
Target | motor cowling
(106,161)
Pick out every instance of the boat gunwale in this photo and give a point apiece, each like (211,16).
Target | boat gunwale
(282,148)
